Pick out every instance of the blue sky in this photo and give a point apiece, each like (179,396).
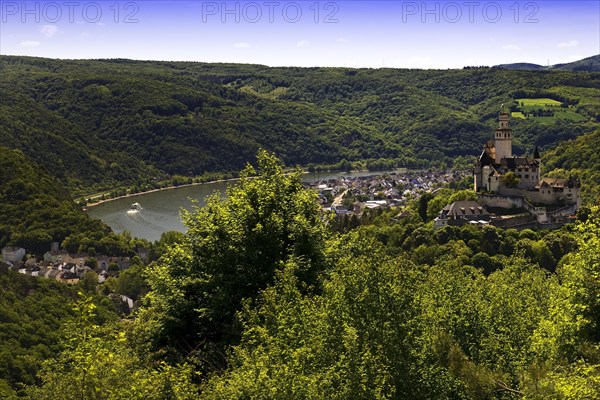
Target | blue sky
(400,34)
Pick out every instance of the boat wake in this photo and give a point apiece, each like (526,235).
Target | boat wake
(146,219)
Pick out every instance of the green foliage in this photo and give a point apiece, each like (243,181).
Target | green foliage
(36,210)
(578,158)
(31,313)
(230,252)
(510,179)
(131,282)
(98,364)
(352,341)
(100,124)
(385,328)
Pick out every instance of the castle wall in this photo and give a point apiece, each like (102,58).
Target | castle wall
(529,179)
(515,221)
(477,175)
(500,201)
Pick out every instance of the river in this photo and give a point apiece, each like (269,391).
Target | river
(160,209)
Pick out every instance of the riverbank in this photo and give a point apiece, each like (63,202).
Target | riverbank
(126,196)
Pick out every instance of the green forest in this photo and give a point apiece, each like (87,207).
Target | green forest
(265,296)
(387,309)
(100,124)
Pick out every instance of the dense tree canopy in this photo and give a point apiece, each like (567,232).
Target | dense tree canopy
(97,124)
(265,296)
(261,299)
(230,252)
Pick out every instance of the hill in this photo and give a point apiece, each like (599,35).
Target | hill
(578,158)
(522,66)
(99,124)
(589,64)
(36,210)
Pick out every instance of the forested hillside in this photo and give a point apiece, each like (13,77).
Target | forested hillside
(266,296)
(589,64)
(36,210)
(105,123)
(35,316)
(391,309)
(579,158)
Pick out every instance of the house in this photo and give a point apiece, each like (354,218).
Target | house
(462,213)
(564,190)
(104,262)
(55,255)
(77,259)
(340,209)
(69,277)
(12,254)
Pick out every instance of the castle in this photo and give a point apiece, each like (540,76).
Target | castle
(505,181)
(497,171)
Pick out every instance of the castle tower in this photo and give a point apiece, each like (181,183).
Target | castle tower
(503,139)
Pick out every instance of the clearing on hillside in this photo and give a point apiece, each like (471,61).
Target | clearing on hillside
(538,102)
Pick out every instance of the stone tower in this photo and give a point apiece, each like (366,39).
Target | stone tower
(503,139)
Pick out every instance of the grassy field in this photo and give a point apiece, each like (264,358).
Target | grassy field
(570,115)
(528,106)
(544,120)
(538,103)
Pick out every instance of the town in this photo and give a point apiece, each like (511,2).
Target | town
(354,195)
(510,191)
(342,196)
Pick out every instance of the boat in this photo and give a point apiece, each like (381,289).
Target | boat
(136,207)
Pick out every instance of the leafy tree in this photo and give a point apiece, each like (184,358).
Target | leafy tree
(101,366)
(422,206)
(352,341)
(510,179)
(230,252)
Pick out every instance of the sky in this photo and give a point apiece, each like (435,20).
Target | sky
(345,33)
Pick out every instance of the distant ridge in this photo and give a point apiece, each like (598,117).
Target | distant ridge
(589,64)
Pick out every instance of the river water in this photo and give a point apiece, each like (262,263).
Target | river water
(160,210)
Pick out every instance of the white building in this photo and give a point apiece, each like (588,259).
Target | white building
(13,254)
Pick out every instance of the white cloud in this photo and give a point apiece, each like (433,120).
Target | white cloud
(570,43)
(341,40)
(30,43)
(49,30)
(242,45)
(302,43)
(510,47)
(101,24)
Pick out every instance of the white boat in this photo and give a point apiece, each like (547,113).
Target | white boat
(136,206)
